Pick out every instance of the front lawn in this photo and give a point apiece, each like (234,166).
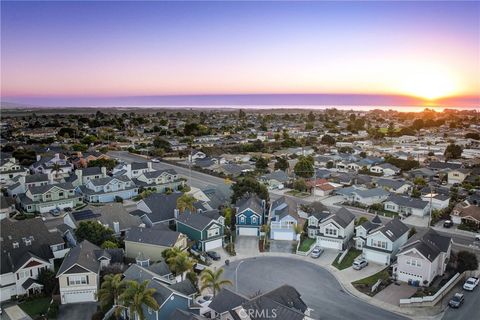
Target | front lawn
(306,244)
(36,307)
(298,194)
(365,285)
(347,260)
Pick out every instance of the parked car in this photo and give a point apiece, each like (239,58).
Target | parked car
(155,160)
(457,300)
(471,283)
(214,255)
(198,268)
(447,224)
(477,237)
(359,264)
(68,209)
(55,212)
(316,252)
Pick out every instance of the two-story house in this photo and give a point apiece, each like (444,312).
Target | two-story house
(27,248)
(383,243)
(422,258)
(23,183)
(48,165)
(386,169)
(160,180)
(361,231)
(82,159)
(465,212)
(132,170)
(249,215)
(363,196)
(10,169)
(395,186)
(331,230)
(205,228)
(78,276)
(84,175)
(151,213)
(457,175)
(406,205)
(108,189)
(284,219)
(47,197)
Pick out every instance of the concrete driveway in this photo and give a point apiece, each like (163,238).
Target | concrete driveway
(332,201)
(393,293)
(76,311)
(284,246)
(247,246)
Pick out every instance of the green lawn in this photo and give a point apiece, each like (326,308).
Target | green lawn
(347,260)
(306,244)
(298,194)
(35,307)
(370,281)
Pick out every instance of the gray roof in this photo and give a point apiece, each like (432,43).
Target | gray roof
(38,177)
(91,171)
(250,201)
(184,315)
(199,220)
(444,165)
(278,175)
(394,229)
(15,231)
(85,255)
(157,173)
(106,180)
(116,212)
(375,192)
(160,268)
(390,183)
(159,236)
(185,287)
(406,201)
(45,188)
(343,217)
(162,206)
(226,300)
(139,165)
(429,243)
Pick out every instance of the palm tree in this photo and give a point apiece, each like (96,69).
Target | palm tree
(136,295)
(56,168)
(186,201)
(180,263)
(110,291)
(213,280)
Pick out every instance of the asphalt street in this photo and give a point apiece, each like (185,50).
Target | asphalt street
(470,310)
(319,289)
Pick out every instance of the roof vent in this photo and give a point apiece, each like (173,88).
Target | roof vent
(15,245)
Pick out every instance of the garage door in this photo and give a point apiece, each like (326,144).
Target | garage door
(330,243)
(377,257)
(242,231)
(79,296)
(283,235)
(213,244)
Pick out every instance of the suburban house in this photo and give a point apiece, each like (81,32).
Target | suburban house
(363,196)
(276,179)
(132,170)
(10,169)
(383,243)
(7,207)
(249,215)
(284,219)
(109,189)
(422,258)
(361,231)
(439,201)
(151,213)
(84,175)
(386,169)
(151,242)
(78,276)
(160,180)
(82,159)
(224,303)
(196,154)
(395,186)
(22,183)
(407,206)
(46,164)
(457,175)
(47,197)
(466,213)
(331,230)
(28,247)
(170,297)
(205,228)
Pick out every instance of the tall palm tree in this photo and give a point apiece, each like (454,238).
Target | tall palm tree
(135,296)
(186,201)
(56,168)
(213,280)
(180,263)
(111,289)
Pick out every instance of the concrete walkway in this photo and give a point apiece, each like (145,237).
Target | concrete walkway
(345,278)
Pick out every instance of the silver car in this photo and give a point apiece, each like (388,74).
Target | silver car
(316,252)
(359,264)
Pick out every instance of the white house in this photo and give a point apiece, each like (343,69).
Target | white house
(422,258)
(439,201)
(384,242)
(457,175)
(331,230)
(364,196)
(10,169)
(108,189)
(386,169)
(283,219)
(407,206)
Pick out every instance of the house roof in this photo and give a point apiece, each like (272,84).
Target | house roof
(159,236)
(250,201)
(84,255)
(199,220)
(467,210)
(162,206)
(158,173)
(139,165)
(343,217)
(226,300)
(185,287)
(409,202)
(390,183)
(48,187)
(278,175)
(436,165)
(429,243)
(394,229)
(38,177)
(184,315)
(91,171)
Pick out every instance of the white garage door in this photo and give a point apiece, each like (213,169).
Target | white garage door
(377,257)
(242,231)
(283,235)
(79,296)
(213,244)
(331,244)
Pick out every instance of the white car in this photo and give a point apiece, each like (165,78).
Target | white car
(477,237)
(155,160)
(470,284)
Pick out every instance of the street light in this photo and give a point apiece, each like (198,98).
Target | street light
(236,275)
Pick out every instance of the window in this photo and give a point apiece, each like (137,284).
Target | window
(254,219)
(23,274)
(15,245)
(213,232)
(242,219)
(77,280)
(379,244)
(60,194)
(330,231)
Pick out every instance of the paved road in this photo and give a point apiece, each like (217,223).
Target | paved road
(470,309)
(319,289)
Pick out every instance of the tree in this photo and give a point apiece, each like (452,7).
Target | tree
(261,164)
(180,263)
(108,244)
(161,143)
(94,232)
(304,167)
(227,213)
(186,201)
(360,221)
(310,117)
(47,278)
(136,296)
(473,135)
(213,280)
(453,151)
(57,168)
(281,164)
(241,114)
(419,181)
(249,185)
(328,140)
(300,185)
(418,124)
(110,290)
(329,164)
(412,232)
(102,162)
(466,260)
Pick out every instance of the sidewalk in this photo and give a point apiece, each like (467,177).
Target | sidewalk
(345,278)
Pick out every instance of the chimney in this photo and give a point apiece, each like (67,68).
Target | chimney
(39,157)
(149,164)
(175,213)
(104,171)
(116,227)
(79,174)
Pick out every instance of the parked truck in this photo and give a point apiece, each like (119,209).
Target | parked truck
(471,284)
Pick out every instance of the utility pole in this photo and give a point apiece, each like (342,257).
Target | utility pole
(431,200)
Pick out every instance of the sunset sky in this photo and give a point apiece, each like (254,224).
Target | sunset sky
(74,53)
